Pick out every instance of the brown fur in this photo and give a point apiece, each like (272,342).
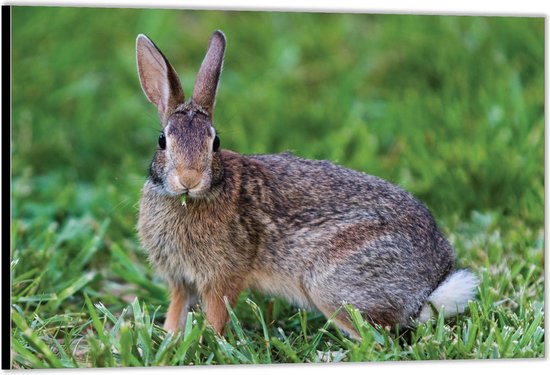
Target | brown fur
(348,239)
(175,315)
(312,232)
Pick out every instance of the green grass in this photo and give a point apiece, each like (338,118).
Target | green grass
(451,108)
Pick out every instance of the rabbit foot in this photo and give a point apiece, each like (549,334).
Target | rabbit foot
(216,311)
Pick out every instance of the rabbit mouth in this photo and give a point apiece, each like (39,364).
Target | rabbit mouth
(198,192)
(176,186)
(191,193)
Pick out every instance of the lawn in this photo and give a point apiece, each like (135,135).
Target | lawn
(450,108)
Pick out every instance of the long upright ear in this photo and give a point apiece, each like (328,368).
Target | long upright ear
(158,79)
(204,93)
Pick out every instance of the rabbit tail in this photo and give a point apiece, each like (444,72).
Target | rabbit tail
(451,296)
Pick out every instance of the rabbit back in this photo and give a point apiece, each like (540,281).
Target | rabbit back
(343,236)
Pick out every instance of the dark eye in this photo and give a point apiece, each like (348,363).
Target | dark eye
(216,144)
(162,141)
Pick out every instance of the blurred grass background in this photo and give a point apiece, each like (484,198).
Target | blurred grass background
(449,107)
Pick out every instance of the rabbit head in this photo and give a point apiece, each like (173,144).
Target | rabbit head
(187,157)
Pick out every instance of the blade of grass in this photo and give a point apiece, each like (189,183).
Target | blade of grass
(286,348)
(25,357)
(35,341)
(100,330)
(166,346)
(144,340)
(37,298)
(191,337)
(91,247)
(126,346)
(74,287)
(533,327)
(243,341)
(258,313)
(232,352)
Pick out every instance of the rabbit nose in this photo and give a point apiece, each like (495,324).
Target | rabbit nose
(189,178)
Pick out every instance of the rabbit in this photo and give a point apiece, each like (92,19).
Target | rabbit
(313,233)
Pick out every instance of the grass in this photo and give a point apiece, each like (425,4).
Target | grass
(451,108)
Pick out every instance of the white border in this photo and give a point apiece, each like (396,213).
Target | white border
(536,8)
(465,7)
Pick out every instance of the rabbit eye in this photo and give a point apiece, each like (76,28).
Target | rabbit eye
(162,141)
(216,144)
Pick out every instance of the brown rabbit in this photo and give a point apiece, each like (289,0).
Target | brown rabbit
(309,231)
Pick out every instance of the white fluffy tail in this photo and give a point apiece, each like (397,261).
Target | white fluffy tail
(451,296)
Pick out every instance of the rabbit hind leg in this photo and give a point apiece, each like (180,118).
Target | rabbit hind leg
(341,319)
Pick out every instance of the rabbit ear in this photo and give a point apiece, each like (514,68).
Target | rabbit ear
(204,93)
(158,79)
